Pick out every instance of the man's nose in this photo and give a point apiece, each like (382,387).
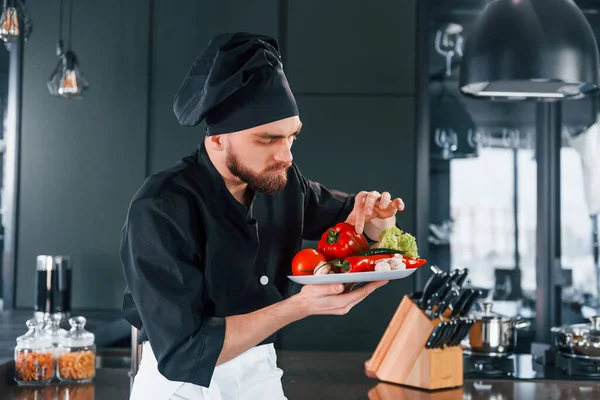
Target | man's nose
(284,154)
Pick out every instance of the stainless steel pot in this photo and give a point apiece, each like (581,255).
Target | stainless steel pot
(579,340)
(494,334)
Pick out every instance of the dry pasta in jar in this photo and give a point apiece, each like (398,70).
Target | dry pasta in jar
(76,354)
(34,356)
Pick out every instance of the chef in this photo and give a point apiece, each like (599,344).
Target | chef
(207,244)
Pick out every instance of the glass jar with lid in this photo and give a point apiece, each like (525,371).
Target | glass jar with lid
(53,328)
(55,332)
(76,354)
(34,356)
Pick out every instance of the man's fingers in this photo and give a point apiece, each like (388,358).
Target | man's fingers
(356,296)
(359,212)
(359,295)
(385,200)
(372,197)
(399,204)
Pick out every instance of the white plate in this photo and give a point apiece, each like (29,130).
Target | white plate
(353,277)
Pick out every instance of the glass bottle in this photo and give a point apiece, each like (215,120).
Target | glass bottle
(76,354)
(34,356)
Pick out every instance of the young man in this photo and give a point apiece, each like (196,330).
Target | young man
(208,244)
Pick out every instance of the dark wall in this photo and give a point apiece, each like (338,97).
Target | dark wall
(351,65)
(81,161)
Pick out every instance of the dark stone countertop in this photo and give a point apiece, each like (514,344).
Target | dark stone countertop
(334,375)
(108,326)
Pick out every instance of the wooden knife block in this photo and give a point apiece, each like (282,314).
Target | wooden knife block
(401,356)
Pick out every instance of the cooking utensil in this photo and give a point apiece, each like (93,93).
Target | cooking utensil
(459,303)
(466,324)
(450,295)
(449,333)
(443,335)
(434,282)
(494,333)
(579,340)
(435,334)
(455,339)
(442,290)
(460,281)
(466,309)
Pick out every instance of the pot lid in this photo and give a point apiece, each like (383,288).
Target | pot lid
(488,314)
(592,327)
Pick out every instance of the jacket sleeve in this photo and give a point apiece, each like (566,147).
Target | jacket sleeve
(163,272)
(323,208)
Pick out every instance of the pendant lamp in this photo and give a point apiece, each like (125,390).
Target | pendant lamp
(530,50)
(67,80)
(14,21)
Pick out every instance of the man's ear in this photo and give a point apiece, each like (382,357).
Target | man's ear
(216,142)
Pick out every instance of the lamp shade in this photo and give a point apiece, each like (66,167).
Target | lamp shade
(530,49)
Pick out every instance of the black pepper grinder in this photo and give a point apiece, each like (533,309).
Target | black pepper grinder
(53,286)
(62,286)
(43,286)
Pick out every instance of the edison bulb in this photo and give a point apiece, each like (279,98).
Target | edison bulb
(9,24)
(68,83)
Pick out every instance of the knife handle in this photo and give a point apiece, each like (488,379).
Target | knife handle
(469,303)
(433,284)
(459,305)
(460,281)
(434,336)
(450,295)
(443,288)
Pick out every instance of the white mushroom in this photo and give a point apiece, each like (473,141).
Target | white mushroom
(382,265)
(323,269)
(397,263)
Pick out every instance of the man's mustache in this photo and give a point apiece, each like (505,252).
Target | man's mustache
(278,167)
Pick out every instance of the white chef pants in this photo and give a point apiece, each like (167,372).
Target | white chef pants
(252,375)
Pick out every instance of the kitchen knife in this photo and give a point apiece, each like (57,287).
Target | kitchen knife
(460,281)
(441,291)
(443,335)
(469,303)
(466,327)
(446,300)
(459,326)
(450,332)
(460,303)
(435,334)
(461,331)
(434,282)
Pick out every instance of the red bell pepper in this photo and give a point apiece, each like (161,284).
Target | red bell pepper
(413,262)
(341,241)
(359,263)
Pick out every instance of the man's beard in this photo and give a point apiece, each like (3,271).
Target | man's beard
(265,182)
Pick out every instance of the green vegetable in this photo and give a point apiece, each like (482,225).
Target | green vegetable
(372,252)
(394,238)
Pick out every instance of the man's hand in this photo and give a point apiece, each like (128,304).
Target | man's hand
(330,299)
(373,205)
(246,330)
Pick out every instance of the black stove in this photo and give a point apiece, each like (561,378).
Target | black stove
(527,367)
(578,367)
(489,365)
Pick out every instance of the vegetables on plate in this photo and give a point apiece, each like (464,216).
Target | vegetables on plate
(341,241)
(342,250)
(305,262)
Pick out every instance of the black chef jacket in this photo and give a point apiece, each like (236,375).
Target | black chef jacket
(192,255)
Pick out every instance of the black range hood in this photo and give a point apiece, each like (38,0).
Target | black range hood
(530,50)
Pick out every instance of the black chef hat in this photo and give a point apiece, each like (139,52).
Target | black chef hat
(235,84)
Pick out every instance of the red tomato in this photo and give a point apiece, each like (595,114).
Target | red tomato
(305,261)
